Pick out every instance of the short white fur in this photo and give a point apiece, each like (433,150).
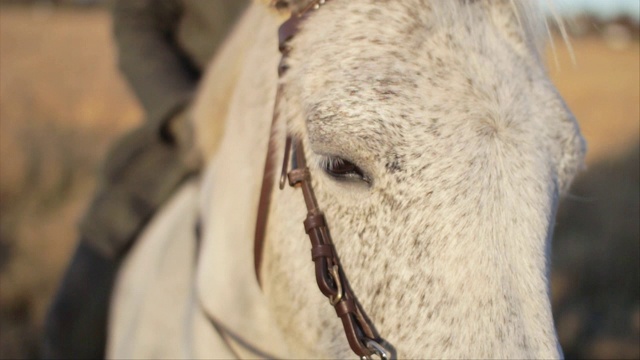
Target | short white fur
(447,106)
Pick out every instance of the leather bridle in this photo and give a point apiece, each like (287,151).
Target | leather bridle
(360,332)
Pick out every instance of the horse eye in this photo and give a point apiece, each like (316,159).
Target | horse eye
(343,169)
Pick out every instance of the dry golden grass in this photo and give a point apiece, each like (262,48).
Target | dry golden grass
(597,242)
(62,101)
(603,90)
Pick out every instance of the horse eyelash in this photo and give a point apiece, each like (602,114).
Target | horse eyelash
(330,162)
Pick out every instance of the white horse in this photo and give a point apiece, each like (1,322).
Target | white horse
(438,148)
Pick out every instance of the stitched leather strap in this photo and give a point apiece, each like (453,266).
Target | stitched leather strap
(329,274)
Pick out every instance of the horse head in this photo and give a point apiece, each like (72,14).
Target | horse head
(438,148)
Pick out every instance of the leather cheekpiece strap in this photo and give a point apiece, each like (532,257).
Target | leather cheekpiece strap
(332,284)
(314,221)
(322,251)
(330,277)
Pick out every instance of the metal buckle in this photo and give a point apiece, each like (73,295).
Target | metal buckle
(377,349)
(334,271)
(315,5)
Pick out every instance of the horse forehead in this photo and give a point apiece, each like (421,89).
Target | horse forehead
(380,51)
(351,28)
(384,89)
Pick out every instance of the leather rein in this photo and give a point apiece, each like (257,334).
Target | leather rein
(360,332)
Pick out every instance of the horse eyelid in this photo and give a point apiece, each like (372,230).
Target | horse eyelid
(328,163)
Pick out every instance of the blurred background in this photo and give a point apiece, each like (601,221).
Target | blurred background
(63,101)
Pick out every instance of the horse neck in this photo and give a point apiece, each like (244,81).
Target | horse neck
(232,115)
(247,57)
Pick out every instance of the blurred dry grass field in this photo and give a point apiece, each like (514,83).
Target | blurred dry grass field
(62,102)
(596,246)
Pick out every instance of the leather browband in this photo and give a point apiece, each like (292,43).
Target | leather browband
(360,333)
